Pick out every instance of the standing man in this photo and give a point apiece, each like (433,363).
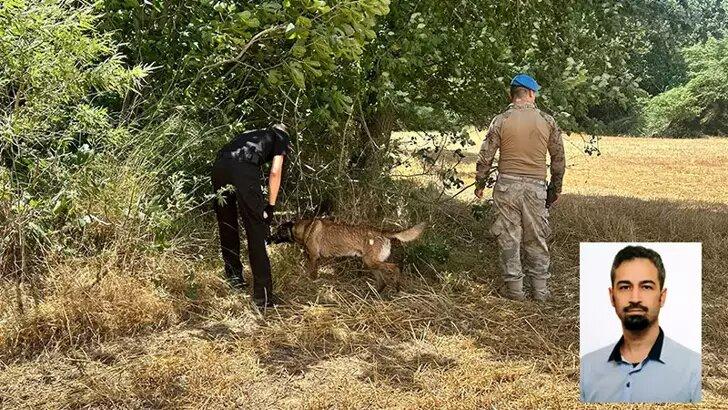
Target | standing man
(524,134)
(239,164)
(644,365)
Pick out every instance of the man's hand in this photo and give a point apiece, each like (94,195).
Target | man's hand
(551,197)
(479,193)
(268,212)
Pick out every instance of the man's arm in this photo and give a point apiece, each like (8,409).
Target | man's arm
(490,146)
(274,184)
(558,157)
(274,179)
(558,163)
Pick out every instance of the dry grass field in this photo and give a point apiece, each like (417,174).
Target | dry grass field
(166,332)
(685,170)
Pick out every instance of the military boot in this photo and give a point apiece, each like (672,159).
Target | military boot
(540,290)
(512,290)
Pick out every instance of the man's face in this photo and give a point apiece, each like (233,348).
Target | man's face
(636,294)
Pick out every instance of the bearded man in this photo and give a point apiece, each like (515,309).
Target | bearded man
(644,365)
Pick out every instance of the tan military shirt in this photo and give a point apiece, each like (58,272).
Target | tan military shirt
(524,134)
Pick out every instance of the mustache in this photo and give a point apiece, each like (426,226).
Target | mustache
(634,306)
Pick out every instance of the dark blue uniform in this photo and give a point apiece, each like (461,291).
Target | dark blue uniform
(239,164)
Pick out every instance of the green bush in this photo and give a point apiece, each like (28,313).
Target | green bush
(700,106)
(55,139)
(430,250)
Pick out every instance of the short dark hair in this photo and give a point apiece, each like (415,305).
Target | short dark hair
(518,91)
(629,253)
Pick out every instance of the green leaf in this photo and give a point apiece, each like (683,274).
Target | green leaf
(298,51)
(274,77)
(303,22)
(297,75)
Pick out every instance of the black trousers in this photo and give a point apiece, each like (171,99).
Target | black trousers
(247,203)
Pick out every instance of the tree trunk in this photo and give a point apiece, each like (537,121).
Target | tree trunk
(375,138)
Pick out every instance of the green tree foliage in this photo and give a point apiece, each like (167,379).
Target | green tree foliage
(664,28)
(242,64)
(700,106)
(451,62)
(54,67)
(669,26)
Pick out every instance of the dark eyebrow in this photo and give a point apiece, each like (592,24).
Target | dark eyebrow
(644,282)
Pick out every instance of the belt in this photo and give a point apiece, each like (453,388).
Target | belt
(238,156)
(522,179)
(227,155)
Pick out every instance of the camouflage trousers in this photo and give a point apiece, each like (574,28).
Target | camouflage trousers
(521,227)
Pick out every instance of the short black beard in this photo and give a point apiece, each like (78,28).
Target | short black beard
(635,322)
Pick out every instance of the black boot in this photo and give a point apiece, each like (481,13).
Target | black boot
(267,302)
(237,283)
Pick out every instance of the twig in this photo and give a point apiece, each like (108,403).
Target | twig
(237,57)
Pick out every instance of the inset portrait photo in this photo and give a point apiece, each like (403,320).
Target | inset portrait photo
(640,322)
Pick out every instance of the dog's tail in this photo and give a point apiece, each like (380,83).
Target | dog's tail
(409,234)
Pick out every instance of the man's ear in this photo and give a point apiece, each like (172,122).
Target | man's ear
(611,297)
(663,297)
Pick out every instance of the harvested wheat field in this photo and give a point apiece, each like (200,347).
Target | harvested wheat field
(165,331)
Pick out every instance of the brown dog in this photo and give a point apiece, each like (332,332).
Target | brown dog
(323,238)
